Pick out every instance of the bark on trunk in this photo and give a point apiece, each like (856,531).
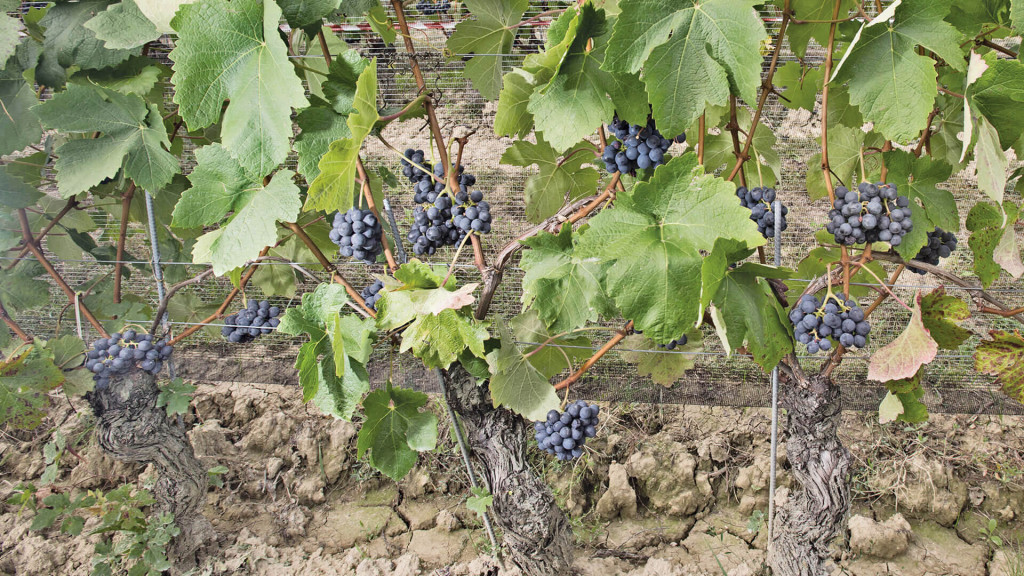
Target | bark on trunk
(133,429)
(815,512)
(535,530)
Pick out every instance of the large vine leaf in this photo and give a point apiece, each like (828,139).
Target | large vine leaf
(562,287)
(139,75)
(930,206)
(991,162)
(560,179)
(332,364)
(25,379)
(652,241)
(530,331)
(665,367)
(693,54)
(9,40)
(233,51)
(133,137)
(123,26)
(69,43)
(940,314)
(488,37)
(395,430)
(905,355)
(801,83)
(988,225)
(1003,357)
(220,185)
(891,83)
(515,383)
(19,126)
(20,288)
(748,314)
(335,186)
(998,95)
(307,14)
(844,147)
(819,14)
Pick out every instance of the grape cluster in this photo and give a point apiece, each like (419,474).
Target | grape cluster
(940,245)
(372,293)
(636,147)
(251,321)
(124,351)
(681,341)
(441,219)
(357,233)
(872,213)
(759,201)
(814,323)
(429,8)
(564,433)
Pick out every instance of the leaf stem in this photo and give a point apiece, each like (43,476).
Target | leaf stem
(408,108)
(336,276)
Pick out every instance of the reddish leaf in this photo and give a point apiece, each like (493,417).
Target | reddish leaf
(1003,357)
(902,357)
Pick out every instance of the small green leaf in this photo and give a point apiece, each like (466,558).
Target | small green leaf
(665,367)
(801,83)
(176,395)
(515,383)
(480,500)
(395,430)
(25,380)
(988,224)
(123,26)
(561,178)
(560,352)
(307,14)
(69,43)
(750,315)
(19,127)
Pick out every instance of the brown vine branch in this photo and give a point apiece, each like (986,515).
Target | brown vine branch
(72,203)
(733,127)
(13,325)
(611,343)
(126,207)
(926,134)
(536,18)
(336,276)
(701,134)
(368,195)
(171,291)
(998,48)
(323,46)
(951,93)
(38,253)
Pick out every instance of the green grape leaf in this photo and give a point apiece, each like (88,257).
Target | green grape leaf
(891,83)
(189,307)
(905,355)
(221,186)
(665,367)
(332,363)
(139,75)
(335,187)
(161,12)
(395,430)
(488,37)
(560,179)
(9,40)
(941,314)
(380,22)
(562,287)
(515,383)
(480,500)
(558,355)
(973,17)
(903,406)
(997,95)
(233,51)
(25,379)
(819,13)
(581,96)
(693,54)
(133,137)
(930,206)
(176,395)
(748,314)
(68,351)
(19,126)
(69,43)
(307,14)
(844,145)
(652,238)
(20,290)
(123,26)
(1003,357)
(801,83)
(15,192)
(991,161)
(513,117)
(764,166)
(439,339)
(988,225)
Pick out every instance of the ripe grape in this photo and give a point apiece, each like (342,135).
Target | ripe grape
(124,351)
(872,213)
(372,293)
(817,325)
(940,245)
(357,234)
(442,218)
(760,202)
(429,8)
(636,147)
(254,320)
(563,434)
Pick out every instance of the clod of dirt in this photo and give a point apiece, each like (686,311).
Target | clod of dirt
(620,498)
(664,470)
(886,539)
(448,522)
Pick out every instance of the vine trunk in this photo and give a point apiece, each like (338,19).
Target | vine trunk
(535,530)
(131,428)
(813,514)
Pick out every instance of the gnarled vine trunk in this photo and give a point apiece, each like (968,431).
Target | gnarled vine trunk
(535,530)
(815,512)
(132,428)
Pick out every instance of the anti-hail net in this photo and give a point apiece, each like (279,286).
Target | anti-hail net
(951,382)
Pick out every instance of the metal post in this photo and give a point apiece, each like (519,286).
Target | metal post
(158,272)
(777,209)
(396,240)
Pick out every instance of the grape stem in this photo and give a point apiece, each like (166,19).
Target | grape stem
(611,343)
(336,276)
(14,325)
(451,267)
(884,286)
(741,156)
(408,108)
(702,130)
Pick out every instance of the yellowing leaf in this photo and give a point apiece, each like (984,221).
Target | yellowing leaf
(905,355)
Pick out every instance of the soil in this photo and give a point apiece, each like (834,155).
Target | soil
(665,489)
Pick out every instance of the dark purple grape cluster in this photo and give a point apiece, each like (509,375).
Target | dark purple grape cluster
(439,221)
(564,433)
(681,341)
(124,351)
(636,147)
(251,321)
(814,323)
(372,293)
(872,213)
(760,202)
(940,245)
(429,7)
(357,234)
